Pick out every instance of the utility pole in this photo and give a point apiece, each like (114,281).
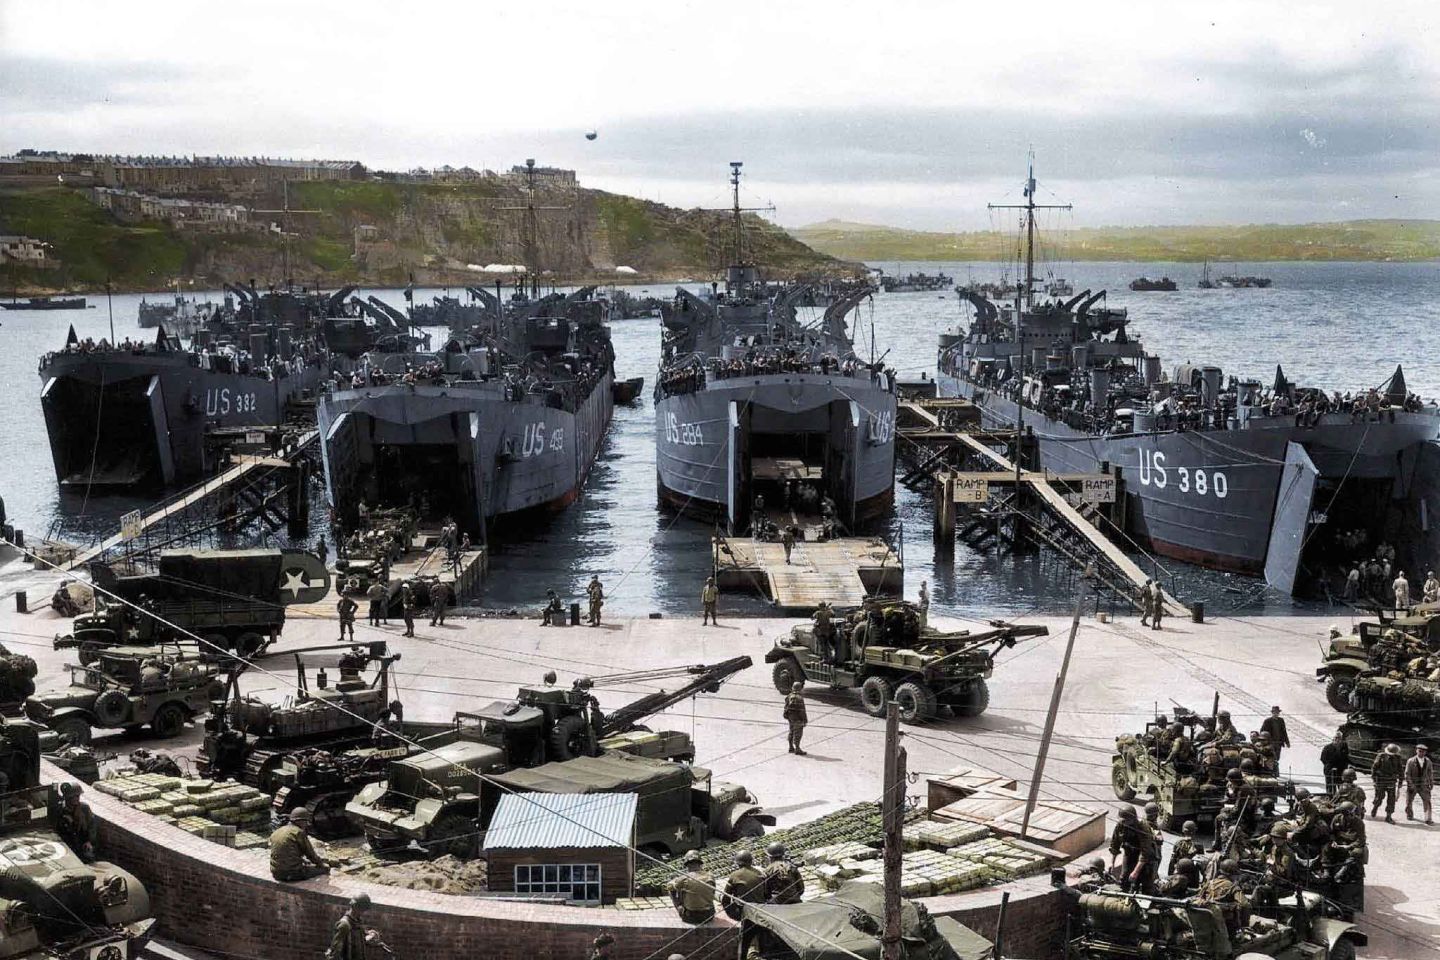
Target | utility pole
(1039,773)
(110,305)
(892,808)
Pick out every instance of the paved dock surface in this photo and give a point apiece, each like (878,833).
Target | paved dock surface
(1119,674)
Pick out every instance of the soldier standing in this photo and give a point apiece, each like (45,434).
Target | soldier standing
(1385,771)
(77,823)
(351,939)
(1335,758)
(1279,736)
(744,885)
(1352,584)
(796,716)
(924,604)
(1157,607)
(694,893)
(322,550)
(596,592)
(292,855)
(708,596)
(824,630)
(787,540)
(407,608)
(1419,781)
(1401,586)
(1147,601)
(783,882)
(1131,839)
(1431,589)
(346,608)
(439,599)
(378,597)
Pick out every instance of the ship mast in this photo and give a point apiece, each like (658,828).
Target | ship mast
(1029,206)
(735,166)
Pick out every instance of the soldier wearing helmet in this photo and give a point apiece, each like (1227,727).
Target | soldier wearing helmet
(351,939)
(1140,848)
(76,823)
(1222,891)
(1350,790)
(694,892)
(1184,878)
(292,856)
(783,882)
(744,885)
(1187,847)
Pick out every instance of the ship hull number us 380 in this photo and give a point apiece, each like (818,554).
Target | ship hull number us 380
(1197,481)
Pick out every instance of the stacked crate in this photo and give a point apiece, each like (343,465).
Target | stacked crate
(228,813)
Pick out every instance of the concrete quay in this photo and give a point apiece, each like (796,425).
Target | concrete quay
(1119,673)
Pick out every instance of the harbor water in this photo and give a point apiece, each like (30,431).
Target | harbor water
(1340,326)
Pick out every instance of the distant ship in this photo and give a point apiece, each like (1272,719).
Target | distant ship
(1146,285)
(45,303)
(915,282)
(748,397)
(1213,473)
(1230,280)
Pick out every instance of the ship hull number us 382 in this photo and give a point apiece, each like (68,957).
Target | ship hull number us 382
(1197,481)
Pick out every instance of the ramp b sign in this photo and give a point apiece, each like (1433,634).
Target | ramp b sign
(971,488)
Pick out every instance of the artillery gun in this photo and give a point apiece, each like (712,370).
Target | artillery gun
(52,903)
(1390,710)
(246,738)
(884,652)
(1141,772)
(1113,925)
(424,795)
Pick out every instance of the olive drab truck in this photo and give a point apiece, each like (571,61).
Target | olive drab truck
(247,738)
(233,600)
(1348,656)
(1141,772)
(881,650)
(1390,710)
(1110,924)
(53,904)
(124,688)
(425,795)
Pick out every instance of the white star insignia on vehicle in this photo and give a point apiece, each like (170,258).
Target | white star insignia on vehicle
(295,581)
(134,633)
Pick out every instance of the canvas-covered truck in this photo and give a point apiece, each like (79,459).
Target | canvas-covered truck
(1373,646)
(233,600)
(882,651)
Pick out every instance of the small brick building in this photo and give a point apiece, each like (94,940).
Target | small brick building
(576,846)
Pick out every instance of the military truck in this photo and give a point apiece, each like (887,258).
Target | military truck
(1388,710)
(234,600)
(54,904)
(680,808)
(1113,924)
(125,688)
(246,739)
(1140,772)
(847,924)
(1347,656)
(881,650)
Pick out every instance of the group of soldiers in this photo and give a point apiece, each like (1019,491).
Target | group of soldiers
(378,613)
(553,613)
(694,892)
(1401,656)
(1152,605)
(1203,755)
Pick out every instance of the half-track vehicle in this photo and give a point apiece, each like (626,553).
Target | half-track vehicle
(233,600)
(1141,772)
(881,650)
(847,924)
(128,687)
(1390,710)
(1112,924)
(246,738)
(1348,656)
(53,904)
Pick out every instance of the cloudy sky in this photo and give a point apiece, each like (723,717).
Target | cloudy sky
(912,114)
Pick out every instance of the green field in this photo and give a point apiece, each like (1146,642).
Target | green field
(1349,240)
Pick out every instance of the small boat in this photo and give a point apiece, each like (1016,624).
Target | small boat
(627,391)
(1205,282)
(46,303)
(1145,284)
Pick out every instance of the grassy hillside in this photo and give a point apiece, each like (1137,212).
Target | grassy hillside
(432,232)
(1350,240)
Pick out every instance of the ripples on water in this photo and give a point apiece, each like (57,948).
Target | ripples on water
(1341,326)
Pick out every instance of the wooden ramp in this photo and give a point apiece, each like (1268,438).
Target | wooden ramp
(842,572)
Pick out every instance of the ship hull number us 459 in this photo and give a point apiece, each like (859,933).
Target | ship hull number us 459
(1197,480)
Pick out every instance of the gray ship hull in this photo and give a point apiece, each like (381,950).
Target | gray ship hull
(122,419)
(464,449)
(1246,499)
(707,441)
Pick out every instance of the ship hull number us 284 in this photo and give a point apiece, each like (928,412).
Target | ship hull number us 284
(684,434)
(1197,481)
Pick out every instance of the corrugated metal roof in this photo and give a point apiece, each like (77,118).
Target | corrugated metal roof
(536,821)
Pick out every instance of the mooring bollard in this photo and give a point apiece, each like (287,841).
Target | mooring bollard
(20,605)
(575,613)
(1197,611)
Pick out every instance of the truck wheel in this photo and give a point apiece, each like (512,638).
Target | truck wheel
(73,729)
(112,708)
(169,721)
(747,828)
(786,674)
(1120,781)
(1337,691)
(216,645)
(916,702)
(88,653)
(1344,949)
(453,834)
(568,739)
(875,694)
(248,644)
(974,698)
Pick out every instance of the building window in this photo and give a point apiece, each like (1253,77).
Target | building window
(574,881)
